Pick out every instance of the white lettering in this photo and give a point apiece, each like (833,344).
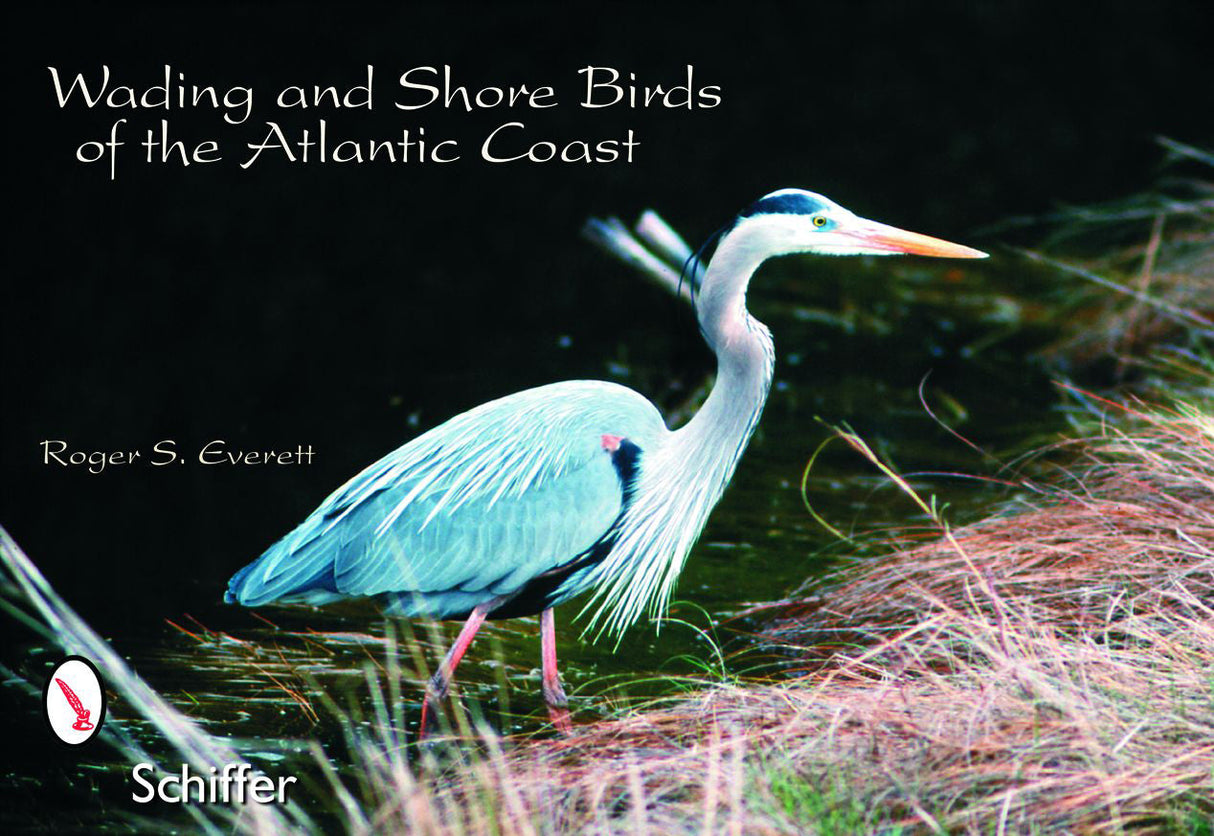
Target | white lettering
(235,783)
(139,779)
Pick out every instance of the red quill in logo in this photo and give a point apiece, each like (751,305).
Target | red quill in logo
(82,714)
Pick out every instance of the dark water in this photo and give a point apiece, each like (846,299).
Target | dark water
(351,308)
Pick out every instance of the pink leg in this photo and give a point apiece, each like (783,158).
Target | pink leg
(441,681)
(554,692)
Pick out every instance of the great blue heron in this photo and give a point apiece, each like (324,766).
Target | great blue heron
(524,502)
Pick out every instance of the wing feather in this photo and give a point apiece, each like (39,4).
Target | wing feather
(478,506)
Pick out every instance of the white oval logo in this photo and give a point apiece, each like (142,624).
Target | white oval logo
(74,701)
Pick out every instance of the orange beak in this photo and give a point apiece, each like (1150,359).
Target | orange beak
(891,239)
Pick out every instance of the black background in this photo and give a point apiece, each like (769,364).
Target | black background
(326,304)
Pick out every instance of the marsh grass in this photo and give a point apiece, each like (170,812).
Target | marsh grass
(1143,300)
(1048,670)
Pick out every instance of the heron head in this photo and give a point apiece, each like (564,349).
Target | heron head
(797,221)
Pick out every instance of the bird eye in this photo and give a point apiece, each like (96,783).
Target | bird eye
(819,220)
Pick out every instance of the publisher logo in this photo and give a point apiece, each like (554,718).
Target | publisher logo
(74,700)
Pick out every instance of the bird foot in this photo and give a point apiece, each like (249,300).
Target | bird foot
(559,717)
(558,710)
(436,690)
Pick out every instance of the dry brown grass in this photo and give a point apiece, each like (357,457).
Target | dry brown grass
(1049,670)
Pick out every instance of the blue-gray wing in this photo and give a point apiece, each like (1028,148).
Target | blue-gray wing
(467,512)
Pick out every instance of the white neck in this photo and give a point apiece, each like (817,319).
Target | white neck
(684,477)
(701,456)
(745,357)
